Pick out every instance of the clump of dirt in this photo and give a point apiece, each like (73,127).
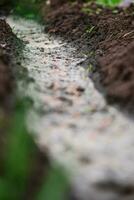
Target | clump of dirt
(108,35)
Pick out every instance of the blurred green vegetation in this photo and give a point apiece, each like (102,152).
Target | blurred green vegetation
(31,8)
(20,153)
(109,3)
(27,8)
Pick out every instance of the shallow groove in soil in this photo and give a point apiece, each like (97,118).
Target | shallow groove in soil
(71,118)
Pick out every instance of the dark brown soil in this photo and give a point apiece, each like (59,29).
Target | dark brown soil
(118,75)
(109,35)
(67,21)
(6,76)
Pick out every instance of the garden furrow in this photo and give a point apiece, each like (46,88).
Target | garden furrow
(70,118)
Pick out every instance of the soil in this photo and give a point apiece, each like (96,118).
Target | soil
(6,51)
(107,35)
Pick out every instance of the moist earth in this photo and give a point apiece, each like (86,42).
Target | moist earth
(6,76)
(108,35)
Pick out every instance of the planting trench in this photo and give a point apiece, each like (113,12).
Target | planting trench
(92,140)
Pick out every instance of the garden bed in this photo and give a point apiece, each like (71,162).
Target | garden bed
(108,37)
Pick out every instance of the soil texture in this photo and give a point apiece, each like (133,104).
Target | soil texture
(6,75)
(108,37)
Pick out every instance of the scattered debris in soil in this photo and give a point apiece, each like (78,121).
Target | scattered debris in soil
(106,33)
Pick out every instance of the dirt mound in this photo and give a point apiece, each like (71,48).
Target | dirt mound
(67,21)
(118,75)
(108,34)
(117,47)
(6,76)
